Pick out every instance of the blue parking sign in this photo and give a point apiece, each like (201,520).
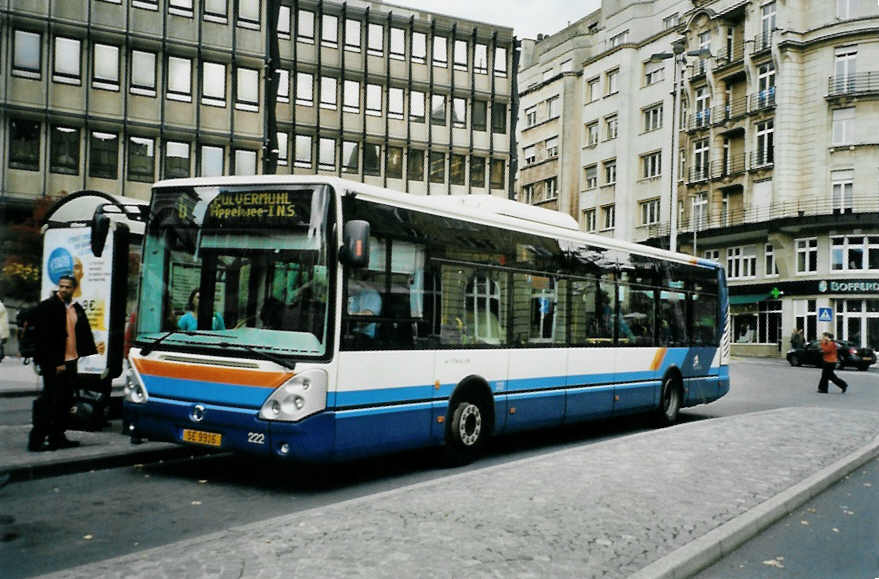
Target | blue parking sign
(825,314)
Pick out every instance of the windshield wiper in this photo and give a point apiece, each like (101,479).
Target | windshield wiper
(152,345)
(280,361)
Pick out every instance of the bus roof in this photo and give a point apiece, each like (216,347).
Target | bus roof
(479,208)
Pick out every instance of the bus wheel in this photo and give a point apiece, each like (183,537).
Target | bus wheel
(670,403)
(467,432)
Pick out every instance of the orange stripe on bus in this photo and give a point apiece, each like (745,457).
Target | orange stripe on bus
(237,376)
(658,357)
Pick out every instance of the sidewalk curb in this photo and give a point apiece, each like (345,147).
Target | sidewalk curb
(716,544)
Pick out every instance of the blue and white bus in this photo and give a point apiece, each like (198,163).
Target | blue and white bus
(337,320)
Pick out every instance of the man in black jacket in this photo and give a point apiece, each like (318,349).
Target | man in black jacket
(64,335)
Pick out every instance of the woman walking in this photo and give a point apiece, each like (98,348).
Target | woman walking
(829,360)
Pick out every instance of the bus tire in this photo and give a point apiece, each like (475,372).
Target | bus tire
(468,429)
(669,402)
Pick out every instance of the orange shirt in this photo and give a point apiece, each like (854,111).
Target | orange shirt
(70,345)
(828,351)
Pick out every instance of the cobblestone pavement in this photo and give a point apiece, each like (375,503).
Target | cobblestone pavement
(607,509)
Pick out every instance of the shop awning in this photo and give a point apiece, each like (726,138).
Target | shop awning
(747,299)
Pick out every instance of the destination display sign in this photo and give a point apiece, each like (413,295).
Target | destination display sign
(260,208)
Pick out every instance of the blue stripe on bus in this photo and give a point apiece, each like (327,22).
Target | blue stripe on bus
(226,394)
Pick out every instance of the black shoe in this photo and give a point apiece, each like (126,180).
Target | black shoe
(844,388)
(34,444)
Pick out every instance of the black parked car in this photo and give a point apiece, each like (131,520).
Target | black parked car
(849,355)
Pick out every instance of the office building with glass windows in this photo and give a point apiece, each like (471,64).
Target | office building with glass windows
(113,95)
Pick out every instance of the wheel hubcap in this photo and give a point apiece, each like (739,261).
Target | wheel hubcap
(671,402)
(471,425)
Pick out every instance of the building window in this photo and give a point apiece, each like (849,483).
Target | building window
(654,72)
(480,58)
(496,177)
(438,110)
(284,23)
(213,84)
(592,134)
(651,165)
(437,167)
(699,210)
(416,106)
(499,118)
(326,157)
(24,144)
(415,165)
(608,217)
(610,172)
(248,14)
(176,159)
(397,43)
(245,162)
(480,116)
(653,118)
(500,61)
(179,79)
(373,99)
(807,255)
(304,89)
(106,67)
(419,47)
(440,58)
(593,89)
(141,159)
(283,151)
(395,103)
(180,8)
(372,158)
(459,112)
(394,163)
(352,35)
(247,90)
(456,169)
(67,60)
(842,183)
(328,92)
(530,154)
(712,255)
(461,55)
(650,212)
(527,194)
(103,155)
(741,262)
(770,267)
(212,161)
(144,4)
(215,11)
(554,108)
(143,73)
(700,160)
(351,102)
(766,85)
(612,80)
(350,156)
(530,116)
(591,176)
(806,316)
(552,147)
(671,21)
(854,253)
(618,39)
(27,54)
(329,31)
(550,188)
(64,150)
(283,85)
(477,171)
(375,39)
(612,128)
(843,126)
(303,151)
(305,27)
(765,146)
(589,220)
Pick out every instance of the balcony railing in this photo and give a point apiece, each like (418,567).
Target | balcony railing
(763,100)
(729,167)
(762,159)
(776,210)
(725,57)
(853,84)
(699,173)
(699,120)
(761,42)
(698,68)
(734,109)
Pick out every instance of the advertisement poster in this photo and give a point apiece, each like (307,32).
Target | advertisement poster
(68,251)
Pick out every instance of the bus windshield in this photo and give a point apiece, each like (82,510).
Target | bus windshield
(233,268)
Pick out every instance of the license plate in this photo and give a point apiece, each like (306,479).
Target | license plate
(200,437)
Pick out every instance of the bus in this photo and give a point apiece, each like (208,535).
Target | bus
(337,320)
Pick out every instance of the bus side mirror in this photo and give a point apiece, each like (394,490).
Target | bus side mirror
(355,251)
(100,228)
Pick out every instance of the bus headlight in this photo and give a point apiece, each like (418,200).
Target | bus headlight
(135,391)
(302,395)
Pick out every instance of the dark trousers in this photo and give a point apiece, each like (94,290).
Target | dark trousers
(52,409)
(827,374)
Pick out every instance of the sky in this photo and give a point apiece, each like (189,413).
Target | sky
(526,17)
